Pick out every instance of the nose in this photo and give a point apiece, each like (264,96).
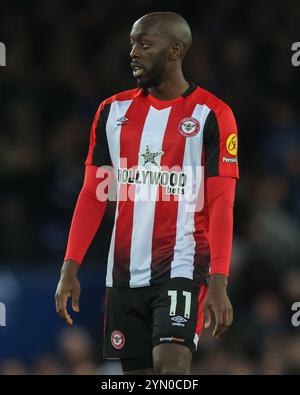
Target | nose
(134,52)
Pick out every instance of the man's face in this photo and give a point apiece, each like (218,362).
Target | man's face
(149,56)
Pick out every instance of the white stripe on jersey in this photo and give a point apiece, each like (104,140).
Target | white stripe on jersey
(144,209)
(113,129)
(184,249)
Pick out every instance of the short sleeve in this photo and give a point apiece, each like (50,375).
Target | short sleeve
(98,154)
(220,142)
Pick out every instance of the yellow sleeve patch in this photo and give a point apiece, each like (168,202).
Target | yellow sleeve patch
(232,144)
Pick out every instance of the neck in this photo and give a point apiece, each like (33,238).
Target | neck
(171,87)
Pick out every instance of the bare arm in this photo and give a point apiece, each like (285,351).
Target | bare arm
(68,287)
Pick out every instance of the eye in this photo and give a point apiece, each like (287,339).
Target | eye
(141,45)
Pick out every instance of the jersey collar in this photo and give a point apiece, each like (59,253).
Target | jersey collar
(185,94)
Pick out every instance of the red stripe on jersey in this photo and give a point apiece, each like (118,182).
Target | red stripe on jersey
(166,208)
(129,149)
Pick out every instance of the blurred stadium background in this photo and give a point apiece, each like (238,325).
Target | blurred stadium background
(63,58)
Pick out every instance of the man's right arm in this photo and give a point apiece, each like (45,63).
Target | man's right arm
(87,216)
(88,213)
(86,220)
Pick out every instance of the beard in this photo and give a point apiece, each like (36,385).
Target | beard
(152,77)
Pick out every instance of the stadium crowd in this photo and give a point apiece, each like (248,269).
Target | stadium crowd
(63,59)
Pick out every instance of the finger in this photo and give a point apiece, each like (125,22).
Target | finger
(227,321)
(218,331)
(75,300)
(56,302)
(64,312)
(219,322)
(227,318)
(207,317)
(226,324)
(231,315)
(62,308)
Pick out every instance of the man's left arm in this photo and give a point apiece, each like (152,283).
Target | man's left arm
(220,192)
(221,171)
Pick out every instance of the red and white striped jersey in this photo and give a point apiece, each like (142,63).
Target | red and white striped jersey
(161,153)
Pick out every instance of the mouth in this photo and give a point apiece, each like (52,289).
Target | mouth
(137,70)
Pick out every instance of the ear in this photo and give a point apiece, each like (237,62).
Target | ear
(176,52)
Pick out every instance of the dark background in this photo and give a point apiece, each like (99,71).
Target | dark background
(64,58)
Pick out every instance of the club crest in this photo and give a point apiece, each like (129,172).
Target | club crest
(189,127)
(117,339)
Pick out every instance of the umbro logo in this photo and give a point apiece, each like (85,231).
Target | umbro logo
(178,319)
(121,120)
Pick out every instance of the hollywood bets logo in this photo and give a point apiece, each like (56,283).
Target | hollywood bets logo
(150,182)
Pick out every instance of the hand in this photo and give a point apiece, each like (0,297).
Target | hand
(68,286)
(217,305)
